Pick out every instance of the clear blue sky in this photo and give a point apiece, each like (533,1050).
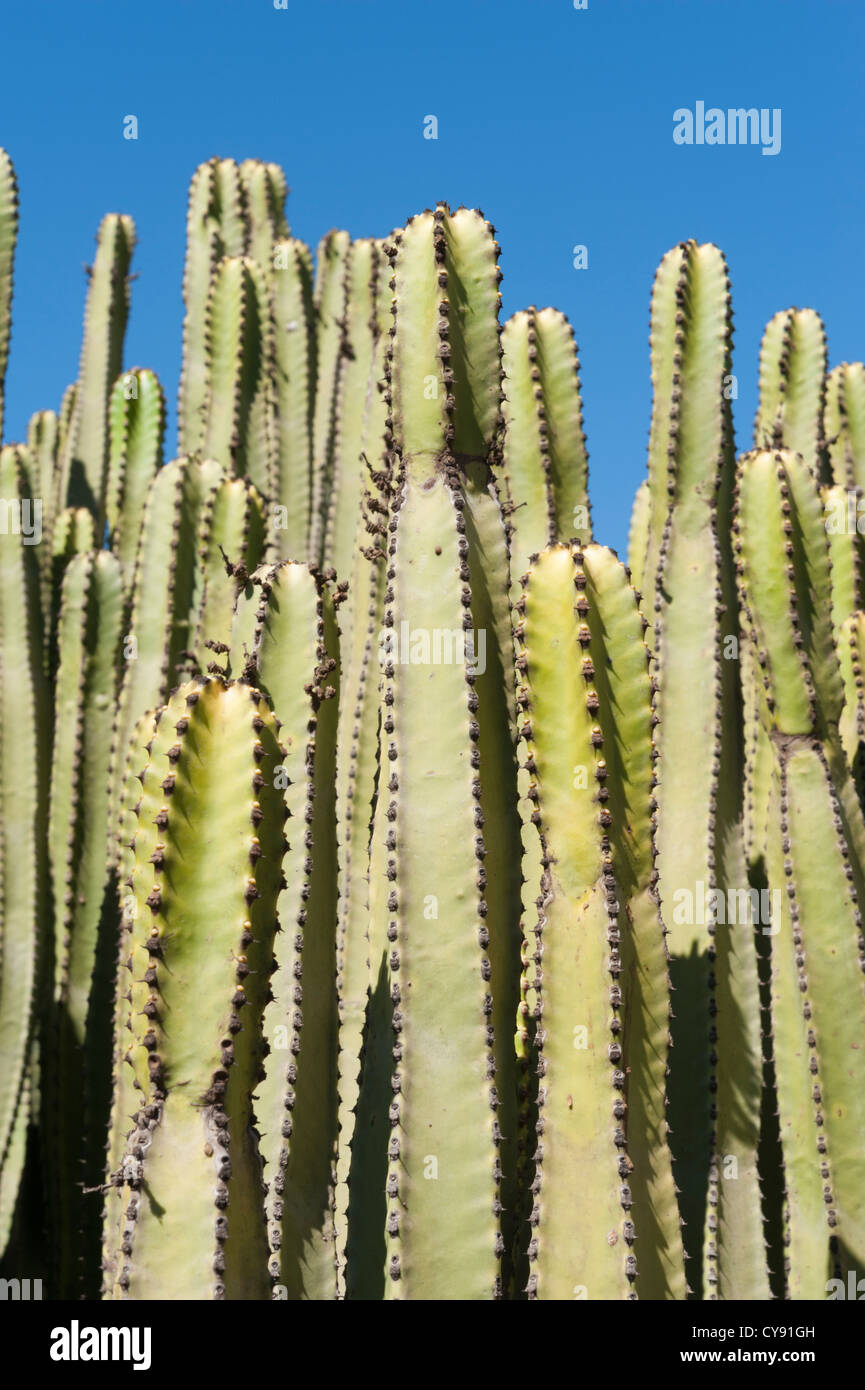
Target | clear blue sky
(556,122)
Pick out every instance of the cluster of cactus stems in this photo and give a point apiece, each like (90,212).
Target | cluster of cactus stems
(400,896)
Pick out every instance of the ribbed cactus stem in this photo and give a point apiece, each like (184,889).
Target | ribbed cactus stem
(792,386)
(84,465)
(367,317)
(291,611)
(206,875)
(816,843)
(239,428)
(294,366)
(844,424)
(443,943)
(851,655)
(8,238)
(599,989)
(24,750)
(167,592)
(331,290)
(76,1056)
(687,582)
(136,420)
(545,461)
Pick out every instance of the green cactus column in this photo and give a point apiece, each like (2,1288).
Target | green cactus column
(792,386)
(285,635)
(207,868)
(8,238)
(844,424)
(851,655)
(331,289)
(25,734)
(76,1045)
(136,420)
(201,536)
(444,875)
(367,320)
(816,844)
(294,368)
(605,1222)
(239,429)
(546,467)
(84,465)
(687,584)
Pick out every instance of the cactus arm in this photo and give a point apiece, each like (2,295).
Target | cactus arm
(842,507)
(331,289)
(357,774)
(203,252)
(8,238)
(295,374)
(851,655)
(42,436)
(136,418)
(625,690)
(85,465)
(438,952)
(296,1103)
(819,1006)
(237,432)
(206,912)
(42,439)
(816,837)
(24,742)
(441,1006)
(365,277)
(788,595)
(844,424)
(166,594)
(545,457)
(688,583)
(65,417)
(77,1046)
(792,385)
(232,525)
(264,195)
(578,1099)
(638,534)
(124,1097)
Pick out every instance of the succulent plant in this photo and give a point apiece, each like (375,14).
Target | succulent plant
(382,862)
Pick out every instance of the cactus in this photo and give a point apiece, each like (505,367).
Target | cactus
(545,469)
(25,735)
(233,212)
(367,315)
(136,419)
(8,238)
(181,594)
(205,878)
(294,349)
(438,802)
(444,854)
(687,582)
(76,1046)
(84,465)
(816,839)
(603,1170)
(331,288)
(844,424)
(792,386)
(296,1102)
(851,655)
